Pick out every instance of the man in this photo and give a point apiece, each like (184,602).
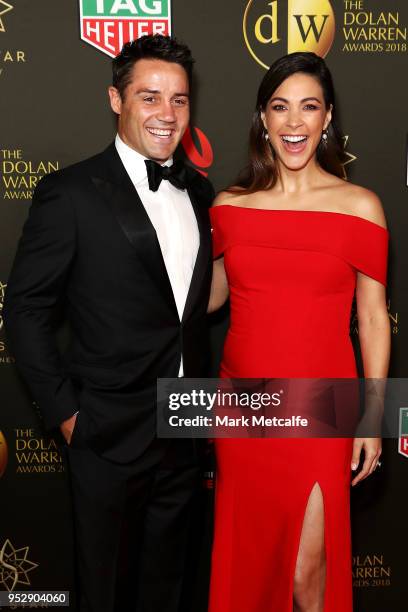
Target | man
(122,240)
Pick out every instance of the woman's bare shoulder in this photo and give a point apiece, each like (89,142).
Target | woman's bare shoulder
(363,203)
(230,198)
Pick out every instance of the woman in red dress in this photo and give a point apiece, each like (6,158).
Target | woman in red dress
(293,243)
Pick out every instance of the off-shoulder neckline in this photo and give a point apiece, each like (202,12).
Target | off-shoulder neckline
(294,210)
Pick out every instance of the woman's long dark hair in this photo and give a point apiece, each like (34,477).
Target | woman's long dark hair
(261,172)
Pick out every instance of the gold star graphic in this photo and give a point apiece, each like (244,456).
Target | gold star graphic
(5,7)
(14,566)
(349,156)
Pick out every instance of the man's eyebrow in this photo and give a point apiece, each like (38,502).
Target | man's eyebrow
(157,91)
(146,90)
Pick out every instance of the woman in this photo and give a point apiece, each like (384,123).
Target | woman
(293,243)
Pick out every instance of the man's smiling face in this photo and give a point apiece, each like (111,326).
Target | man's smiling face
(154,111)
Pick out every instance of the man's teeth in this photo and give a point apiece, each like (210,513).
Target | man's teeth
(294,138)
(158,132)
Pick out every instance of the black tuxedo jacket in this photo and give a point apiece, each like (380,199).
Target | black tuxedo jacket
(89,246)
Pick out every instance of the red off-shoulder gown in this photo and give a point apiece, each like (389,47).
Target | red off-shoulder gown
(292,276)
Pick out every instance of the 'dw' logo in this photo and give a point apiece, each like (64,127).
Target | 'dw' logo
(287,26)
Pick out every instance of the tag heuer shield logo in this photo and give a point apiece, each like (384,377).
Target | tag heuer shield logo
(109,24)
(403,432)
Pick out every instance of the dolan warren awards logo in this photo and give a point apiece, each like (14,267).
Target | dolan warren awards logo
(272,29)
(109,24)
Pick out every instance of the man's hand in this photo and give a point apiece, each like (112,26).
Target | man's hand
(67,427)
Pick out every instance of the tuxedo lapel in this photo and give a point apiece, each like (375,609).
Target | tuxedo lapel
(203,255)
(114,184)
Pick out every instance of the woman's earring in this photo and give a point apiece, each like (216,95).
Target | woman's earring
(266,137)
(324,137)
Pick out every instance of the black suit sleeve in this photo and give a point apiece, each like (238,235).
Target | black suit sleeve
(211,194)
(206,188)
(209,191)
(35,288)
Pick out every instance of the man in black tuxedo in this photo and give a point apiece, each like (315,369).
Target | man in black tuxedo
(122,241)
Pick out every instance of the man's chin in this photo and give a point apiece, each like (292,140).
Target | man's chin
(159,158)
(162,154)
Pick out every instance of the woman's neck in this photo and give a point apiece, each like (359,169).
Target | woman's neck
(292,182)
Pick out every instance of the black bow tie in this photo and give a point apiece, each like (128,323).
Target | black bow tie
(176,174)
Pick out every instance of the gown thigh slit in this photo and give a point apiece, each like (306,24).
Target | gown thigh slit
(318,551)
(292,277)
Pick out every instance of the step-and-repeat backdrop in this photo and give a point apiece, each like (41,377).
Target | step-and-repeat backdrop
(54,74)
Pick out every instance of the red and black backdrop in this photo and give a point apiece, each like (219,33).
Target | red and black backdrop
(54,73)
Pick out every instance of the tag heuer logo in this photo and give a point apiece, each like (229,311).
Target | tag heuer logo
(109,24)
(403,432)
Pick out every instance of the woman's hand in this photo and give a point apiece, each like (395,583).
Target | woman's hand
(372,452)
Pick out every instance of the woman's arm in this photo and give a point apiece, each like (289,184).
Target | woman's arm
(219,286)
(375,339)
(373,327)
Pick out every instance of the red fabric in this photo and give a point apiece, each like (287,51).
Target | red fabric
(292,277)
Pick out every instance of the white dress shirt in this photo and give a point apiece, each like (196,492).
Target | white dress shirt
(172,216)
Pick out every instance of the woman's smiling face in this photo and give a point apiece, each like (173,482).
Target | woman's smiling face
(295,117)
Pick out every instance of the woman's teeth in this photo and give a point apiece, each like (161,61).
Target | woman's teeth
(293,138)
(294,144)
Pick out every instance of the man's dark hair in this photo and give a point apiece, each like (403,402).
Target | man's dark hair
(157,47)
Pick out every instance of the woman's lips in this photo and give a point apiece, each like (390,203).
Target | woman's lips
(294,144)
